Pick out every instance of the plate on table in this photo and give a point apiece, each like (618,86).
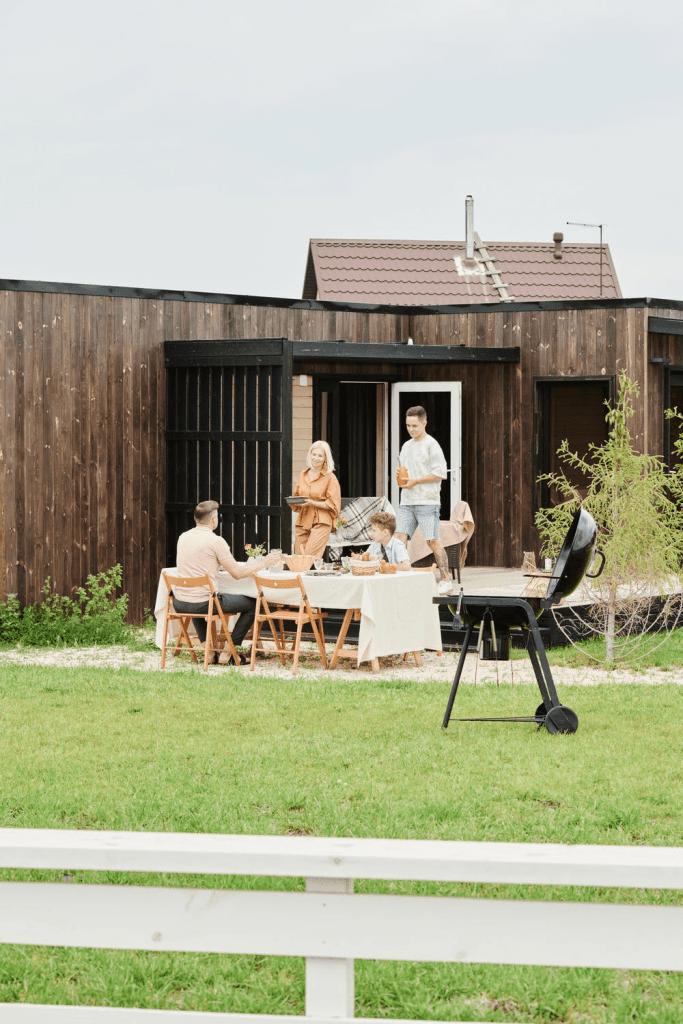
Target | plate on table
(325,572)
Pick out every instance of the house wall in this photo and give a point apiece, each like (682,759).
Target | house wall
(82,454)
(82,388)
(81,442)
(666,346)
(302,422)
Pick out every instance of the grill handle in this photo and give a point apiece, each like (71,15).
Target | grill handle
(592,575)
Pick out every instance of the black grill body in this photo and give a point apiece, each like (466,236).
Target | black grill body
(497,616)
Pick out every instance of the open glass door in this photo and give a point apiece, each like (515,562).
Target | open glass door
(442,403)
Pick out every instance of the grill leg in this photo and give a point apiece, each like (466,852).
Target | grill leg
(458,673)
(544,678)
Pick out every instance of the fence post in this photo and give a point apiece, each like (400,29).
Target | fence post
(329,980)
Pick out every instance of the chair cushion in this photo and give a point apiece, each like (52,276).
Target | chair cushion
(356,530)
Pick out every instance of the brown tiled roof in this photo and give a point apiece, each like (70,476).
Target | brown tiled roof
(424,273)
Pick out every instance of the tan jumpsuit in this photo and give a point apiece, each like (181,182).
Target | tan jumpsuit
(314,525)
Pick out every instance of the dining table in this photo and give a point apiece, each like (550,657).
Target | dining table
(395,611)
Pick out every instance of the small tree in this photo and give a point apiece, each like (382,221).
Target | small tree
(640,532)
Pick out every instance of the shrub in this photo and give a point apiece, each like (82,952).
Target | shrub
(94,616)
(640,522)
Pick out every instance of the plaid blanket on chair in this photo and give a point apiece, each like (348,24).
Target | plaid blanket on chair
(356,531)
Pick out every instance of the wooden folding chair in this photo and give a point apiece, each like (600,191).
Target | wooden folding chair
(216,640)
(277,614)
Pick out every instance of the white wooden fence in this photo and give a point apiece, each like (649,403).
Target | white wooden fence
(329,924)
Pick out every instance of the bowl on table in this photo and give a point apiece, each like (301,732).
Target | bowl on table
(388,568)
(365,567)
(298,563)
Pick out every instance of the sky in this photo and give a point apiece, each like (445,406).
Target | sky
(199,145)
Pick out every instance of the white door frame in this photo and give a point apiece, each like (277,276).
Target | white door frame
(399,434)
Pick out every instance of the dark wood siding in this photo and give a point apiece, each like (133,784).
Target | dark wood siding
(83,414)
(82,386)
(661,346)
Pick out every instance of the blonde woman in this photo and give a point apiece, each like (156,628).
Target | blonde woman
(317,517)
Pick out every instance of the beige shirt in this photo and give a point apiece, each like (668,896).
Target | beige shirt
(200,552)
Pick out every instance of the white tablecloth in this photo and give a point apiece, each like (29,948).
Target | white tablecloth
(397,613)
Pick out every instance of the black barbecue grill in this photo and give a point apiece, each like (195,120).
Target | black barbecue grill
(501,615)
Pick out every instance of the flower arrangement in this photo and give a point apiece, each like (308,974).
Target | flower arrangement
(341,522)
(255,550)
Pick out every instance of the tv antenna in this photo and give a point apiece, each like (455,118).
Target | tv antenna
(579,224)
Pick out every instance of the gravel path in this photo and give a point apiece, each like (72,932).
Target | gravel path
(434,668)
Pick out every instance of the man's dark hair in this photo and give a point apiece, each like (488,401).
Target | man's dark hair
(417,410)
(204,511)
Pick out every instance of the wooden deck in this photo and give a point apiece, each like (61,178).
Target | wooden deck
(498,582)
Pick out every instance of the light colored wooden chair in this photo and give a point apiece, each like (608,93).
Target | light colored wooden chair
(276,615)
(218,635)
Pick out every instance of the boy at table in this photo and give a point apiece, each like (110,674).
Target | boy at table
(384,545)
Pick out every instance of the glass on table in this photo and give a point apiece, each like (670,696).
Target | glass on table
(318,563)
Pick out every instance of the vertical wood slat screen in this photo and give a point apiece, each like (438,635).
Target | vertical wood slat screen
(228,437)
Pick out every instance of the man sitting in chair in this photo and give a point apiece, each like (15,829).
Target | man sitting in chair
(201,552)
(384,545)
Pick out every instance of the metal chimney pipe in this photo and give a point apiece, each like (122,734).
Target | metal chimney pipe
(469,228)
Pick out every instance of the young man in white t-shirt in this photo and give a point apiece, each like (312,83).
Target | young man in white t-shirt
(421,494)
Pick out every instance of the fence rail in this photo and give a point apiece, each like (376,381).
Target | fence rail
(328,924)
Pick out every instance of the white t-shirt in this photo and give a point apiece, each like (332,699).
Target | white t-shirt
(423,458)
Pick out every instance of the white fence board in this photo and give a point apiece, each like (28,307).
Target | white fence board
(343,926)
(30,1013)
(310,856)
(330,981)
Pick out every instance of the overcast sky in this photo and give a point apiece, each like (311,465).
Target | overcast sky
(199,145)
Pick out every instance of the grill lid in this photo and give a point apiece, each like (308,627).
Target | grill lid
(574,558)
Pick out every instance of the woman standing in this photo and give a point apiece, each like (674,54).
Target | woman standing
(319,486)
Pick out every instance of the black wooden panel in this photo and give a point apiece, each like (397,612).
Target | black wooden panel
(334,351)
(229,438)
(662,325)
(259,352)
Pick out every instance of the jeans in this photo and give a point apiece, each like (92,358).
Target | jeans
(230,603)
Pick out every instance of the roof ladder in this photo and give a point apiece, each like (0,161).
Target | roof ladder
(491,271)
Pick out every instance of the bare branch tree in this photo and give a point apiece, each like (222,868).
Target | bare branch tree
(636,505)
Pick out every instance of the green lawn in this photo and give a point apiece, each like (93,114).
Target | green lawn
(652,651)
(88,748)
